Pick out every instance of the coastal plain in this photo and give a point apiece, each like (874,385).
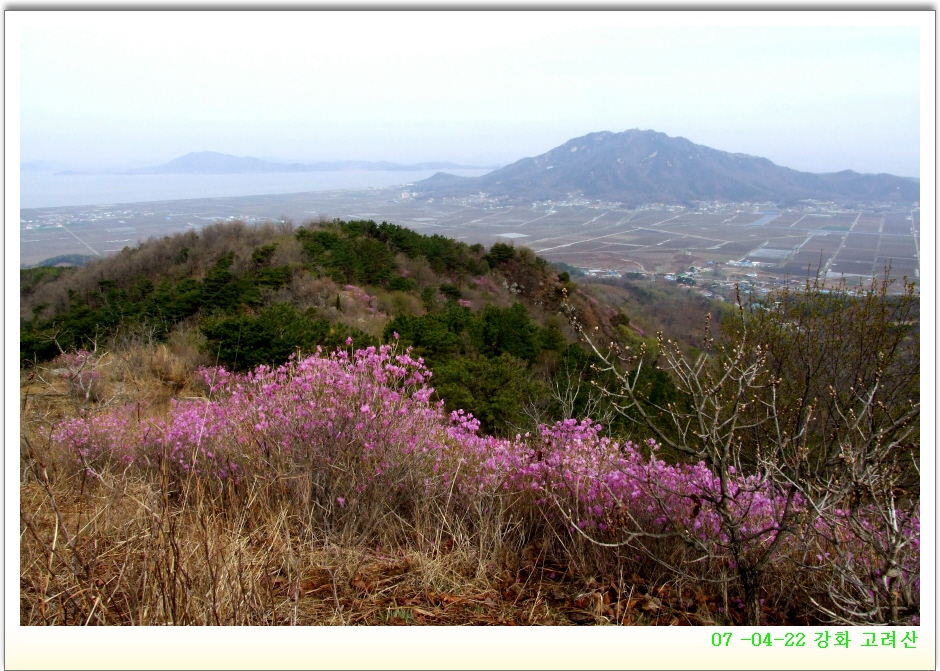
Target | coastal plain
(727,241)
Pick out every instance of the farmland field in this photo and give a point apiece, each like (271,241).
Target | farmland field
(773,244)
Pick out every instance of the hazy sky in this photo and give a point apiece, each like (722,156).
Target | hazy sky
(479,87)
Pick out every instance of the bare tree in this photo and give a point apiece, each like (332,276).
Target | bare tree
(811,401)
(570,396)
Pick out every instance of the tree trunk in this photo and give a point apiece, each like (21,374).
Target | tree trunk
(750,582)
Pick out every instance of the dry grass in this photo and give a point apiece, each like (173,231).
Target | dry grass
(120,551)
(136,546)
(128,550)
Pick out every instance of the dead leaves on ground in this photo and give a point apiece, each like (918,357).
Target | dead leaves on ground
(383,591)
(635,602)
(379,574)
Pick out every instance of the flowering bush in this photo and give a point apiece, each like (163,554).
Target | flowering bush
(369,410)
(358,294)
(355,434)
(80,369)
(102,438)
(606,488)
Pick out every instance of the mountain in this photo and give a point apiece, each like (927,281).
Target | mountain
(37,166)
(637,167)
(211,162)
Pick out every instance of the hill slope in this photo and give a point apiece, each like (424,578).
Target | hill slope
(488,323)
(636,167)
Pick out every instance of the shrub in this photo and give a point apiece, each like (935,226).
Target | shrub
(813,399)
(499,253)
(450,291)
(495,390)
(402,284)
(245,341)
(360,447)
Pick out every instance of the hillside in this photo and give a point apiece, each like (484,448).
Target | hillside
(489,323)
(637,167)
(353,423)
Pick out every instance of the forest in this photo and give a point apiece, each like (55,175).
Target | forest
(347,422)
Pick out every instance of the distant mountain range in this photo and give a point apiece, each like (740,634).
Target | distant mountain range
(211,162)
(636,167)
(37,166)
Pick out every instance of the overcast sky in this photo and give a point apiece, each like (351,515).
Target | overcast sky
(481,88)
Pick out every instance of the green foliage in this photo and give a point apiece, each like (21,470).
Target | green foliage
(578,365)
(100,313)
(427,298)
(508,330)
(244,341)
(499,253)
(620,319)
(491,332)
(450,291)
(330,252)
(70,259)
(262,255)
(36,346)
(361,252)
(445,256)
(223,290)
(405,284)
(571,270)
(436,335)
(551,338)
(376,262)
(564,277)
(633,343)
(483,362)
(32,278)
(494,389)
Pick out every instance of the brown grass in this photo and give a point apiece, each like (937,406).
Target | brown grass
(120,552)
(136,546)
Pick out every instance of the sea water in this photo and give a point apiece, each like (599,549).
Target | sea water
(47,189)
